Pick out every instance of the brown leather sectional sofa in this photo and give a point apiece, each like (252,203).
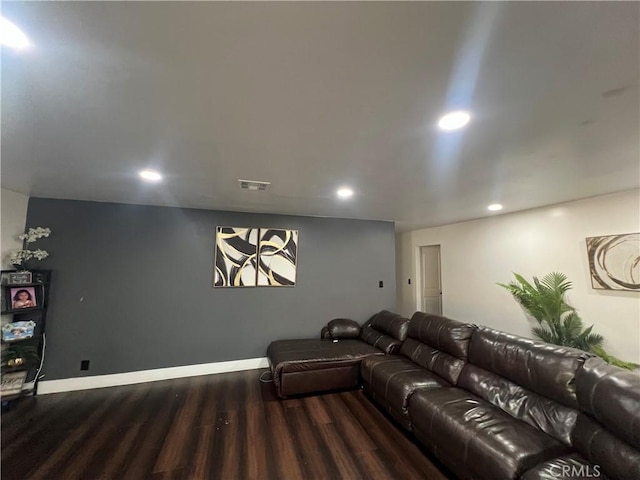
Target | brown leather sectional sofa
(491,405)
(496,406)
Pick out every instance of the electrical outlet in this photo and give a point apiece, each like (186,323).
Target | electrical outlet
(409,281)
(380,284)
(84,365)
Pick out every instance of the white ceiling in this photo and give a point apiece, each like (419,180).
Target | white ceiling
(312,96)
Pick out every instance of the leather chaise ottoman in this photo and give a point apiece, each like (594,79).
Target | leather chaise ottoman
(333,362)
(314,365)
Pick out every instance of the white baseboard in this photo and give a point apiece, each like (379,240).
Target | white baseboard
(128,378)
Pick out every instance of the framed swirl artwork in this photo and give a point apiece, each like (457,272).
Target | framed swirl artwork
(249,257)
(614,262)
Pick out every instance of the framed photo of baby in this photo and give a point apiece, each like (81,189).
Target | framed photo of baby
(22,297)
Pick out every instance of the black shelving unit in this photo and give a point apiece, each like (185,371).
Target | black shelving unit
(40,285)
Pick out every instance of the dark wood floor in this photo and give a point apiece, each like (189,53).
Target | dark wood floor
(226,426)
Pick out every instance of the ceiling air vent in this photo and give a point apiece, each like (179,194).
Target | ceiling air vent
(254,185)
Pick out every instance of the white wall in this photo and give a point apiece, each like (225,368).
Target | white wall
(478,254)
(13,207)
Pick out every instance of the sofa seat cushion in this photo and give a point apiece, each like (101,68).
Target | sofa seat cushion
(295,355)
(301,362)
(391,381)
(488,442)
(566,467)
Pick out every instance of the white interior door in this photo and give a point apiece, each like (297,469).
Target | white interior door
(430,279)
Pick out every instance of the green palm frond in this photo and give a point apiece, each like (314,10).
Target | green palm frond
(592,342)
(557,282)
(527,295)
(545,334)
(572,329)
(558,322)
(601,352)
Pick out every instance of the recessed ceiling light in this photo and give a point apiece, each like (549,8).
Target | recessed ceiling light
(454,121)
(495,207)
(12,36)
(150,175)
(345,192)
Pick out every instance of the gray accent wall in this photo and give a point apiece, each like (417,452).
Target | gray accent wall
(132,285)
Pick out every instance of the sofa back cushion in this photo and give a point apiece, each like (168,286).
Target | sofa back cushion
(615,457)
(542,413)
(385,330)
(438,344)
(390,324)
(441,333)
(612,396)
(546,369)
(440,363)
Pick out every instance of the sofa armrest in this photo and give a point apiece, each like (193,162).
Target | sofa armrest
(340,328)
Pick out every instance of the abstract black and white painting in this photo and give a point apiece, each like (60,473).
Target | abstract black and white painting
(614,262)
(236,257)
(277,257)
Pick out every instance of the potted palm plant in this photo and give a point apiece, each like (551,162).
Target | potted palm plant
(558,322)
